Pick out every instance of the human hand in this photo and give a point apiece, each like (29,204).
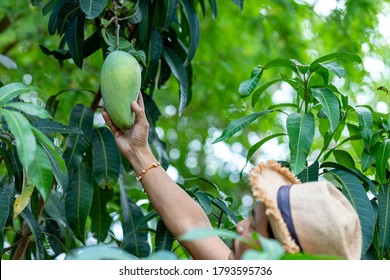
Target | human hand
(136,137)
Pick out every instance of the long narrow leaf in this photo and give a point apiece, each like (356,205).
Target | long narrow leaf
(365,122)
(337,55)
(25,139)
(58,165)
(222,206)
(101,220)
(258,92)
(367,159)
(330,105)
(248,86)
(384,218)
(153,54)
(300,129)
(258,145)
(36,231)
(68,12)
(282,62)
(366,181)
(79,199)
(237,125)
(204,201)
(23,199)
(54,15)
(51,127)
(164,239)
(309,174)
(40,173)
(335,68)
(30,109)
(180,73)
(10,91)
(170,10)
(106,159)
(75,38)
(382,161)
(355,193)
(134,241)
(193,24)
(81,117)
(4,213)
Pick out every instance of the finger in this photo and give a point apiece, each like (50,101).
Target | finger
(140,101)
(108,121)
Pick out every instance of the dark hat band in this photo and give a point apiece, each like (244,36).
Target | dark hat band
(285,210)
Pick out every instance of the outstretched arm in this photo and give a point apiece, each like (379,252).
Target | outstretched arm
(177,209)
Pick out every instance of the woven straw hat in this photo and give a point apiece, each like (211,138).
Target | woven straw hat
(313,217)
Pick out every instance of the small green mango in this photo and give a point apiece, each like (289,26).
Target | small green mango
(120,83)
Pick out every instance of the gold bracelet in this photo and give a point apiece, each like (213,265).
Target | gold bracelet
(154,164)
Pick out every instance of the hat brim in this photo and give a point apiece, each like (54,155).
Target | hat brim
(265,180)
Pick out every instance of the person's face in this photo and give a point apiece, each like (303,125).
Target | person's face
(258,221)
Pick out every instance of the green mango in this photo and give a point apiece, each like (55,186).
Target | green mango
(120,83)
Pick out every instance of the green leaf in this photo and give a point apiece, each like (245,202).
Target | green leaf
(257,146)
(356,194)
(248,86)
(30,109)
(36,231)
(335,68)
(101,220)
(58,165)
(164,239)
(4,214)
(81,117)
(106,159)
(68,11)
(382,161)
(309,174)
(204,201)
(258,92)
(239,3)
(237,125)
(193,24)
(300,129)
(134,241)
(180,73)
(78,200)
(384,219)
(344,158)
(222,206)
(153,54)
(366,181)
(365,122)
(75,38)
(10,91)
(342,55)
(330,105)
(282,62)
(367,159)
(51,127)
(92,8)
(40,173)
(21,130)
(53,20)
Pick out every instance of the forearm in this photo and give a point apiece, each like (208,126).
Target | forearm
(178,210)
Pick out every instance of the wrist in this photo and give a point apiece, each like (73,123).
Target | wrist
(140,158)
